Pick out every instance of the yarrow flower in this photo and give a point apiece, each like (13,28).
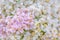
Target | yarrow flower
(2,28)
(23,20)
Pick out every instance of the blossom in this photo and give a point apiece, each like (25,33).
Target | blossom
(2,28)
(22,20)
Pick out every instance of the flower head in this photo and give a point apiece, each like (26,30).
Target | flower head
(23,20)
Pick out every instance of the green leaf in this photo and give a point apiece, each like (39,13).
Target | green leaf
(43,33)
(17,0)
(22,37)
(11,14)
(25,30)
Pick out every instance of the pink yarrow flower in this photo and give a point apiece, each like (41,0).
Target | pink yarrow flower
(23,20)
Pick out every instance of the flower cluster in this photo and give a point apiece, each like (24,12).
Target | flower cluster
(22,20)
